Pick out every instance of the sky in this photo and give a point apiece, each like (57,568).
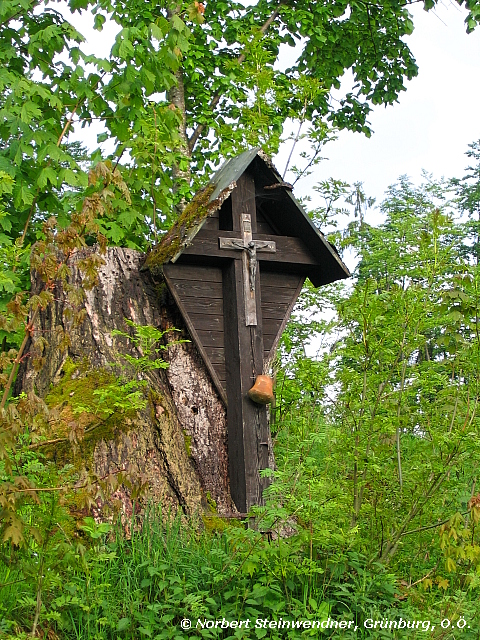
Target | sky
(433,122)
(429,128)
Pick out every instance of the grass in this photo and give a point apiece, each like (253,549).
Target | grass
(105,585)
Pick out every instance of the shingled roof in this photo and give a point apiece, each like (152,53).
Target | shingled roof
(290,218)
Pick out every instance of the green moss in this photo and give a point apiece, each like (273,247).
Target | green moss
(216,524)
(74,399)
(193,214)
(188,443)
(211,502)
(162,293)
(185,228)
(77,383)
(156,401)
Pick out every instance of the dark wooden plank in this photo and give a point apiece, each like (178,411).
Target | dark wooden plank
(201,322)
(283,324)
(267,345)
(247,421)
(274,310)
(211,224)
(233,306)
(264,228)
(180,271)
(262,224)
(270,326)
(289,250)
(196,339)
(277,305)
(221,371)
(278,279)
(216,355)
(269,220)
(273,295)
(199,289)
(203,305)
(211,338)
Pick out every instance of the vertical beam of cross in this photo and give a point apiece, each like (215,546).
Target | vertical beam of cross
(247,421)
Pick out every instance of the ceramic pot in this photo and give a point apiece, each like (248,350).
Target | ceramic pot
(262,390)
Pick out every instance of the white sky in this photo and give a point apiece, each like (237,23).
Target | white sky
(436,117)
(429,128)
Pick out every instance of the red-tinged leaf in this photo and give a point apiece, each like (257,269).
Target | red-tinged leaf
(14,534)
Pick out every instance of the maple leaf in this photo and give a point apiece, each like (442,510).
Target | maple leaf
(13,533)
(442,583)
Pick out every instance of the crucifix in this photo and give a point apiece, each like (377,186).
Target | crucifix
(249,263)
(237,250)
(235,274)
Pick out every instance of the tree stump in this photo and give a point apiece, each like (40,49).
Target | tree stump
(176,447)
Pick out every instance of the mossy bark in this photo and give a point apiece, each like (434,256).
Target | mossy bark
(176,446)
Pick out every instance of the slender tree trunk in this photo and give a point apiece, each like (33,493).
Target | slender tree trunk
(176,96)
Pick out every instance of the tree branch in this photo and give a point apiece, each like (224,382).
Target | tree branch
(18,13)
(192,141)
(16,362)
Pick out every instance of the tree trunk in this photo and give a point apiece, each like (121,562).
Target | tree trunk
(177,445)
(176,96)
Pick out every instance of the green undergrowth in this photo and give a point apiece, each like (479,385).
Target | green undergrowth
(101,584)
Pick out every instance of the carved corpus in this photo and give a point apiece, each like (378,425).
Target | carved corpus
(249,261)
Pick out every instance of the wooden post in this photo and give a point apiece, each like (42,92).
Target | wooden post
(247,421)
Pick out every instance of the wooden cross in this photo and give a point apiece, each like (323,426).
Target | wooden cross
(218,277)
(249,262)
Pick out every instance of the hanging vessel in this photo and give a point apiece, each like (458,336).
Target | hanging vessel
(262,390)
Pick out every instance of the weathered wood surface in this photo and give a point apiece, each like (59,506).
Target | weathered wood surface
(199,294)
(248,430)
(290,250)
(192,306)
(177,445)
(279,294)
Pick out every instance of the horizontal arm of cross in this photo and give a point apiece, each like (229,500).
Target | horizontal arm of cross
(258,245)
(288,249)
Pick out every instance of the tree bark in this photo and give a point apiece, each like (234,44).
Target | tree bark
(176,95)
(177,444)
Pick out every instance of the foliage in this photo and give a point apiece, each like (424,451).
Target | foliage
(168,570)
(34,489)
(374,511)
(467,191)
(147,340)
(379,434)
(377,440)
(211,70)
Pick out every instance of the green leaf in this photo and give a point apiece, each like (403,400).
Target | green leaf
(46,175)
(99,22)
(123,624)
(23,197)
(126,50)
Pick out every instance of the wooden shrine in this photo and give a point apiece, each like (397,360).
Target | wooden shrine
(235,263)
